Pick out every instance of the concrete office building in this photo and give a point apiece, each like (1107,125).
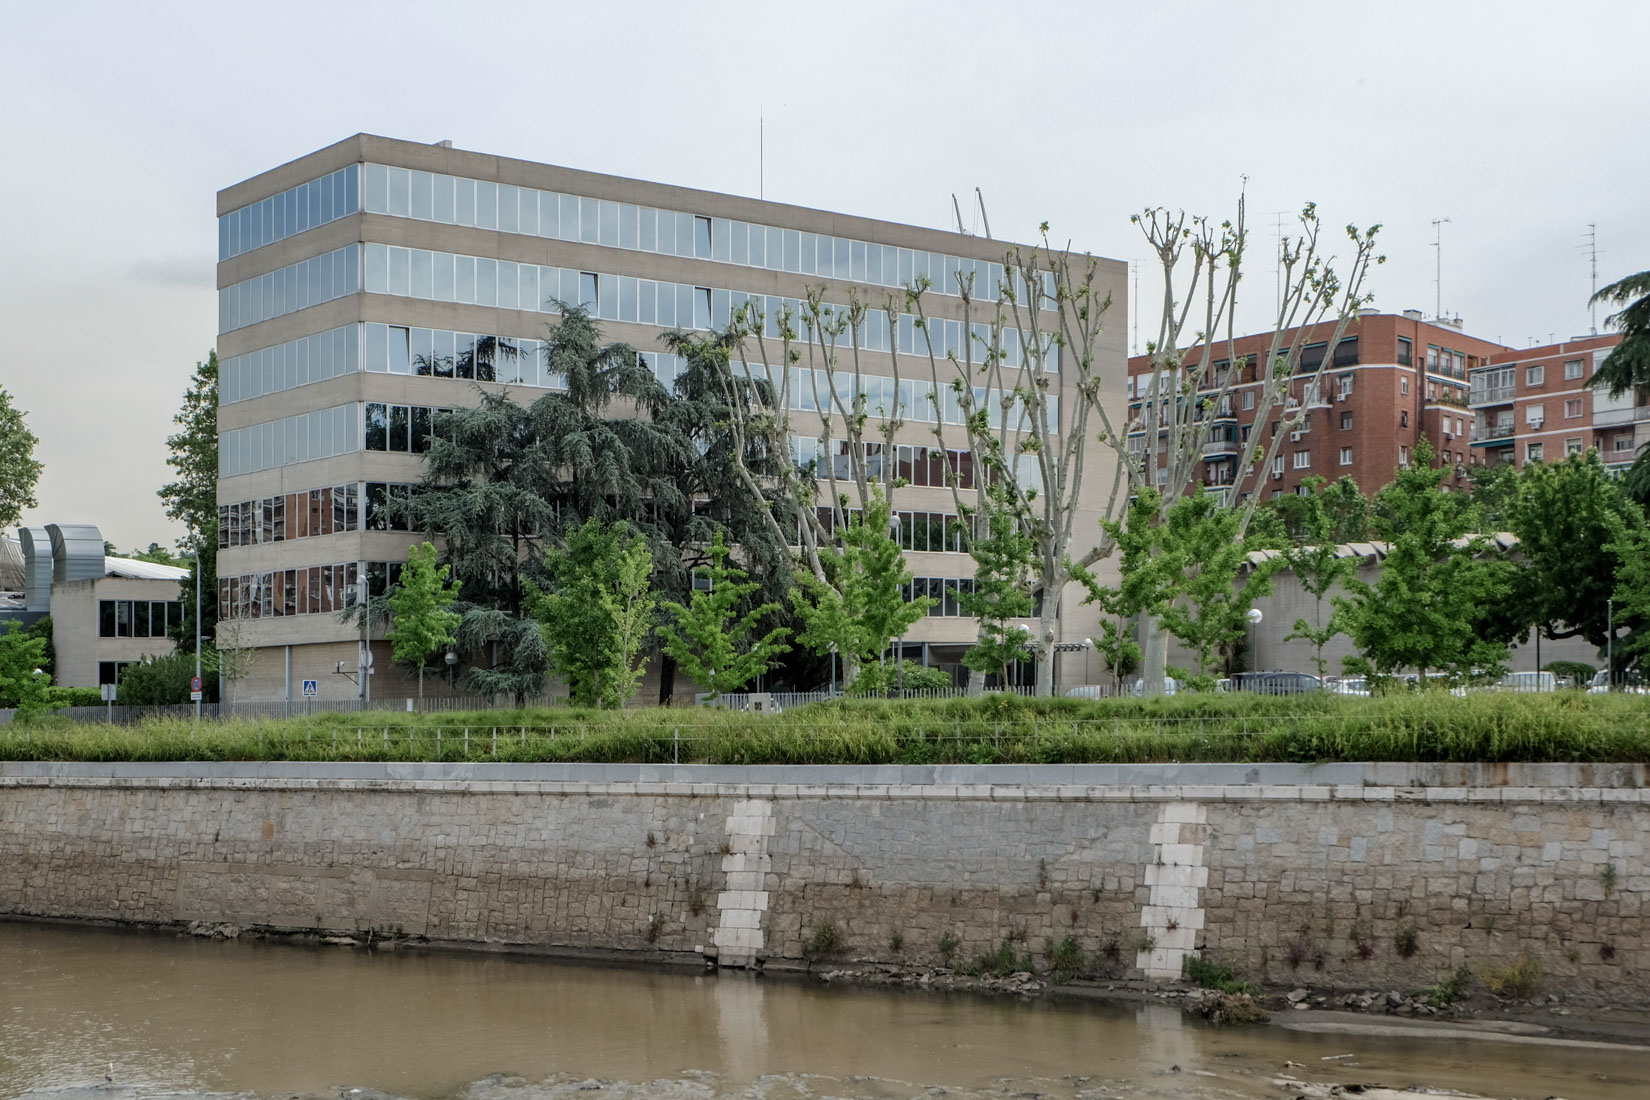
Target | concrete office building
(343,273)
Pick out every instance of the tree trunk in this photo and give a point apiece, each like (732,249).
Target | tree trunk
(421,686)
(667,679)
(1154,657)
(1045,650)
(976,683)
(850,670)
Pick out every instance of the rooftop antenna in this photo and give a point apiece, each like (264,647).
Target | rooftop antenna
(1134,300)
(1438,280)
(762,152)
(1277,217)
(956,208)
(987,221)
(1591,237)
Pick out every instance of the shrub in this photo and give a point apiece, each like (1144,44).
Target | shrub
(1212,975)
(57,697)
(1448,989)
(998,963)
(947,947)
(1067,960)
(157,681)
(824,942)
(1519,980)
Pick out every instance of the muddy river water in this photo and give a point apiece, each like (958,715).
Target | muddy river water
(178,1016)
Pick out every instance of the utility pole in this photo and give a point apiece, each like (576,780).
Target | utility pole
(198,633)
(1438,280)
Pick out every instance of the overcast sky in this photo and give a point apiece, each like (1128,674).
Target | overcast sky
(1520,122)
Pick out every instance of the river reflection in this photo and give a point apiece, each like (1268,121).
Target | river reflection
(273,1020)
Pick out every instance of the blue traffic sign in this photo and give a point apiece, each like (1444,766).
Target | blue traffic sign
(312,688)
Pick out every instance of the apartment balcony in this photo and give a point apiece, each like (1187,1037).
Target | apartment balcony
(1492,395)
(1221,448)
(1489,435)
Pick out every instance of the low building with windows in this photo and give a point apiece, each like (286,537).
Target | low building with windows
(106,612)
(367,286)
(1393,379)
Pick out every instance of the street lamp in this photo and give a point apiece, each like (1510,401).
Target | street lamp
(1088,647)
(1254,616)
(452,666)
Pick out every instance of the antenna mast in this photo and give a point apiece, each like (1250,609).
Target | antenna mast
(1277,217)
(1591,237)
(1134,301)
(1438,280)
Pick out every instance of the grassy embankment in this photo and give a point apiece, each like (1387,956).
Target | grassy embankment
(1403,727)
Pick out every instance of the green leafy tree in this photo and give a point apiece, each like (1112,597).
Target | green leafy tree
(1630,543)
(1318,563)
(1145,583)
(596,611)
(24,684)
(1565,515)
(192,499)
(1436,605)
(1184,573)
(860,607)
(1203,555)
(19,469)
(727,483)
(502,481)
(714,637)
(1002,566)
(1627,367)
(424,622)
(1493,494)
(157,681)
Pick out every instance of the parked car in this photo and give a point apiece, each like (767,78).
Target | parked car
(1632,682)
(1529,681)
(1170,686)
(1277,683)
(1347,685)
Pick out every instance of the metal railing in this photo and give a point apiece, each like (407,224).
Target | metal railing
(1490,394)
(1492,431)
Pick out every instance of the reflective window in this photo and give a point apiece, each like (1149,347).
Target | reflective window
(291,288)
(302,438)
(296,209)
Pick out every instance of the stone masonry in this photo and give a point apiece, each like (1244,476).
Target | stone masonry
(1365,876)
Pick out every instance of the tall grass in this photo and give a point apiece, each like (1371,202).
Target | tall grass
(1487,727)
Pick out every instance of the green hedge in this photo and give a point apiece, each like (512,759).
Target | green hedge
(998,729)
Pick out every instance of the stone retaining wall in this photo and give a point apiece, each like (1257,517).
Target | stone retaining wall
(1356,875)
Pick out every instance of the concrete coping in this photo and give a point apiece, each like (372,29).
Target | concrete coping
(1387,781)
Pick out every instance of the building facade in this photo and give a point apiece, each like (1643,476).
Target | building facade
(106,612)
(367,286)
(1539,405)
(1393,379)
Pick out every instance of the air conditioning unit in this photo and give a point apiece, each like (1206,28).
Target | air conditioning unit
(1448,436)
(1295,437)
(1536,423)
(1277,475)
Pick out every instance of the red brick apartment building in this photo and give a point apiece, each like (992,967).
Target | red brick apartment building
(1538,405)
(1392,379)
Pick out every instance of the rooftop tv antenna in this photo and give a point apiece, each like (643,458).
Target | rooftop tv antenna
(1591,245)
(1438,279)
(956,208)
(1134,301)
(1277,217)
